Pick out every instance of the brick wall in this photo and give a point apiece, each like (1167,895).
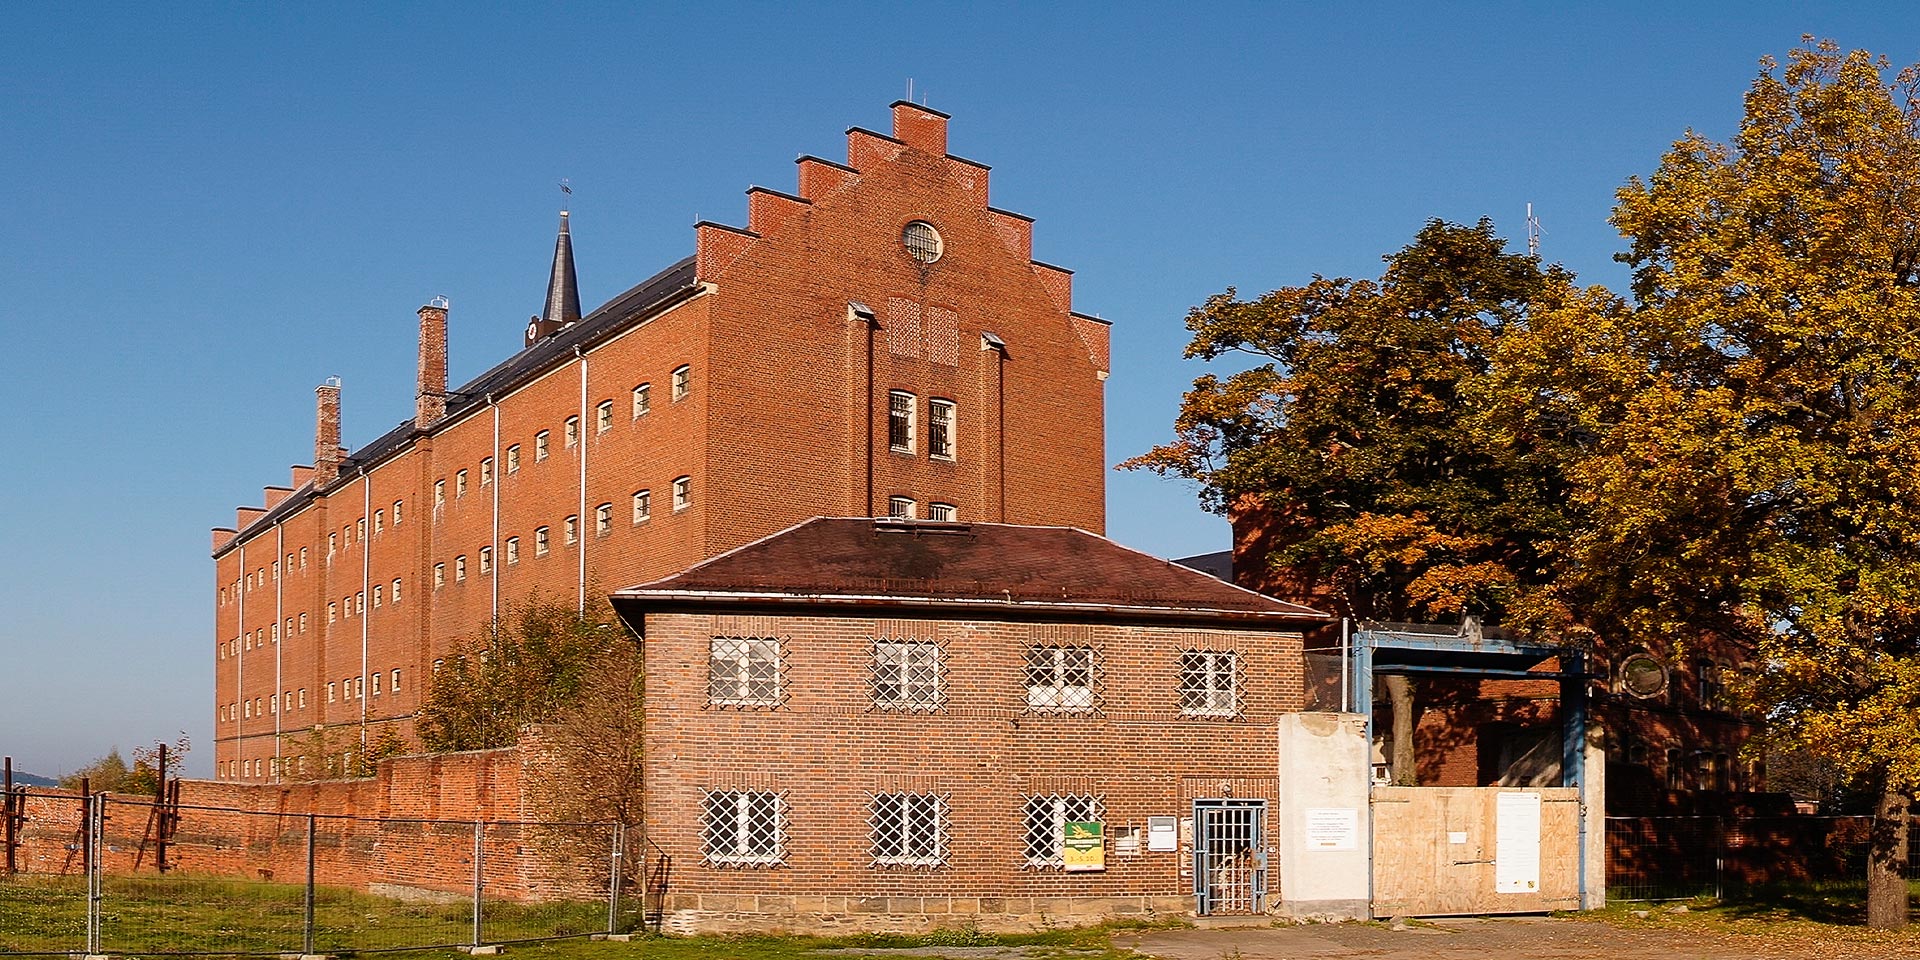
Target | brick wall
(827,750)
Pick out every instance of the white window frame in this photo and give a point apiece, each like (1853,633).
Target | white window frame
(1048,672)
(903,508)
(460,568)
(642,400)
(682,493)
(943,512)
(486,560)
(603,416)
(540,448)
(906,674)
(571,429)
(682,382)
(903,415)
(907,829)
(937,427)
(513,459)
(743,828)
(542,541)
(1217,692)
(603,520)
(513,551)
(486,471)
(743,671)
(642,506)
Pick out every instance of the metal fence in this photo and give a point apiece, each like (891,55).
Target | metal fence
(134,877)
(1679,858)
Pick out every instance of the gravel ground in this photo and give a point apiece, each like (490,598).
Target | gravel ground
(1532,938)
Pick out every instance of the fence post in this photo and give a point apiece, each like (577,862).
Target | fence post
(94,811)
(306,938)
(478,853)
(613,895)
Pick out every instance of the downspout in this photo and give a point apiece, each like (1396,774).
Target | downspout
(493,566)
(366,573)
(867,426)
(240,659)
(580,516)
(279,614)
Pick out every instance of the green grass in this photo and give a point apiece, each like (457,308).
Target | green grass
(155,916)
(144,916)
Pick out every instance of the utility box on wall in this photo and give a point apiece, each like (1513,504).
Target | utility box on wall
(1321,832)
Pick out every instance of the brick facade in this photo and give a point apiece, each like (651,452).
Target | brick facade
(335,597)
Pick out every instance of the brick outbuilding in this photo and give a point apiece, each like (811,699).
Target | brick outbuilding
(864,723)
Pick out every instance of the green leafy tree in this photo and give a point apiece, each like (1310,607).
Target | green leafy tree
(1756,474)
(108,773)
(1357,441)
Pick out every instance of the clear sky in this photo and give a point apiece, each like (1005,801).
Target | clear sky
(205,209)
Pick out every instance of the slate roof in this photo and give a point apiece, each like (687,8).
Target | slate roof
(614,316)
(977,566)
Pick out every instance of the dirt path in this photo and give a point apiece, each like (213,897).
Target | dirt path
(1512,939)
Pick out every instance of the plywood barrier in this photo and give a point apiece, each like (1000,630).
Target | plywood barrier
(1437,851)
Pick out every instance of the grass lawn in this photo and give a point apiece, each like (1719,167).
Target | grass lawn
(1828,912)
(156,916)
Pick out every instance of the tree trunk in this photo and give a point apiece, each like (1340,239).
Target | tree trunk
(1887,861)
(1406,772)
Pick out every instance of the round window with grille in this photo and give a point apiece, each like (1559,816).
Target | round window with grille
(922,241)
(1643,676)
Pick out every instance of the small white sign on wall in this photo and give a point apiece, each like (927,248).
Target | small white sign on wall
(1163,834)
(1333,828)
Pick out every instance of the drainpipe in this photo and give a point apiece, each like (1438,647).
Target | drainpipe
(366,574)
(279,615)
(580,517)
(493,566)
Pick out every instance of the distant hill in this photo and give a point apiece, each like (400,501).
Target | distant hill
(33,780)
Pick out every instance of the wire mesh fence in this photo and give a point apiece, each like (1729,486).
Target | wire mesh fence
(134,877)
(1679,858)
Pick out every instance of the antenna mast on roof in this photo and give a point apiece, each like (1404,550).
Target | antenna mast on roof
(1533,233)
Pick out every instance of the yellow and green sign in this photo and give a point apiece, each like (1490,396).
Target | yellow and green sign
(1083,846)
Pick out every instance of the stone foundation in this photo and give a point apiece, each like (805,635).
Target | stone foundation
(692,913)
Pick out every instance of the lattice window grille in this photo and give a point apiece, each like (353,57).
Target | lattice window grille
(744,672)
(1062,679)
(1209,683)
(908,829)
(906,674)
(744,828)
(1046,818)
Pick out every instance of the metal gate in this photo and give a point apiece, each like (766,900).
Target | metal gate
(1229,856)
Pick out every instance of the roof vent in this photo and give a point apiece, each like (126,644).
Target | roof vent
(920,527)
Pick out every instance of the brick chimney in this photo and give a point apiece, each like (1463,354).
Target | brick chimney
(326,433)
(430,406)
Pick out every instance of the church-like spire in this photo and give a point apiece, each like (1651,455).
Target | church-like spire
(563,289)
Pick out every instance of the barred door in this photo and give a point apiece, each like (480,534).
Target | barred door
(1229,856)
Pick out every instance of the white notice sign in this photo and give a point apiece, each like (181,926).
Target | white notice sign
(1333,828)
(1516,850)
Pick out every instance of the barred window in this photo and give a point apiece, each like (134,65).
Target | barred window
(1060,678)
(943,512)
(541,541)
(744,827)
(459,484)
(906,674)
(642,505)
(682,381)
(460,567)
(513,551)
(486,472)
(486,560)
(900,409)
(572,431)
(1047,818)
(1207,683)
(439,500)
(908,829)
(940,429)
(744,671)
(572,529)
(513,462)
(439,580)
(379,527)
(540,446)
(902,508)
(396,512)
(642,400)
(603,519)
(682,493)
(603,416)
(396,589)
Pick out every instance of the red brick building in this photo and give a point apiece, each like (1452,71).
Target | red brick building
(880,721)
(878,342)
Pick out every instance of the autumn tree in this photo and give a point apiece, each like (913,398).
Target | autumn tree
(1756,473)
(521,669)
(1357,438)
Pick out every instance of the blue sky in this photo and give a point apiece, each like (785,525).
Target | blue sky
(206,209)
